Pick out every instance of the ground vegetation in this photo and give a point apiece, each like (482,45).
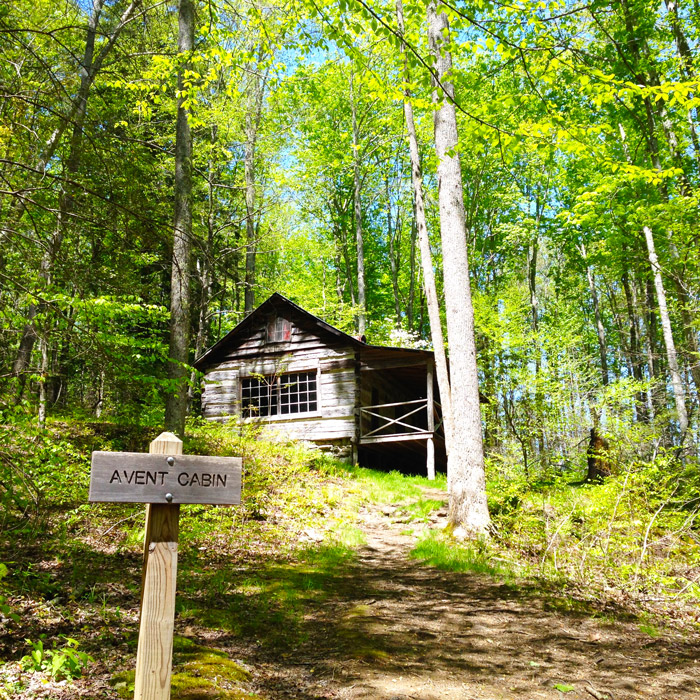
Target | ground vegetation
(332,580)
(313,172)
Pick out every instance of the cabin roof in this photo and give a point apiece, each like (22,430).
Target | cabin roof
(278,303)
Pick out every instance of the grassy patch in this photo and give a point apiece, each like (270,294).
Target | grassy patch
(266,600)
(199,673)
(421,509)
(384,487)
(347,535)
(435,550)
(630,533)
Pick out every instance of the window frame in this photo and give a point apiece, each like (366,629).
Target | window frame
(278,329)
(276,395)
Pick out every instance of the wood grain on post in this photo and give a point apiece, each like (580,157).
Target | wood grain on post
(155,648)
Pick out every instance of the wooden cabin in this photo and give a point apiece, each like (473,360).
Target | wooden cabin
(292,373)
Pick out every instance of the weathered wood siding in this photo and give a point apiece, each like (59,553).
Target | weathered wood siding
(305,352)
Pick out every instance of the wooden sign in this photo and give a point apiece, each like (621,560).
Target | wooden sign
(135,477)
(164,479)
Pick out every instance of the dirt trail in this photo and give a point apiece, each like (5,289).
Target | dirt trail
(397,630)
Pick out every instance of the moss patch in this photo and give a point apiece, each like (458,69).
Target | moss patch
(199,673)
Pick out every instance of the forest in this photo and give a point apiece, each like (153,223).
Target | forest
(513,184)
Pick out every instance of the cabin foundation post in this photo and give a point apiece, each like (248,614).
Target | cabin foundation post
(430,401)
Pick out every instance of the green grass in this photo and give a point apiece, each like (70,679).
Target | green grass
(436,550)
(387,487)
(422,508)
(266,600)
(347,535)
(199,673)
(632,532)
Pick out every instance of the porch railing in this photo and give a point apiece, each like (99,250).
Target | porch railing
(398,424)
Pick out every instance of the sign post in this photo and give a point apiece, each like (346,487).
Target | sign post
(164,478)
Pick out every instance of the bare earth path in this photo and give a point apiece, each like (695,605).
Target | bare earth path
(395,629)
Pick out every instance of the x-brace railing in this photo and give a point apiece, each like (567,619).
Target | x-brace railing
(388,422)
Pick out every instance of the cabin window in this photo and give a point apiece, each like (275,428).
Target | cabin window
(280,394)
(279,330)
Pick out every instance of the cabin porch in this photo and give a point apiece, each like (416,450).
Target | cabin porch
(400,420)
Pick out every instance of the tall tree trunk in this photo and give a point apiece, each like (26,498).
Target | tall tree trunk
(176,403)
(465,471)
(635,351)
(658,386)
(43,377)
(359,235)
(671,357)
(338,269)
(393,236)
(532,255)
(429,286)
(342,238)
(252,125)
(250,243)
(410,307)
(600,328)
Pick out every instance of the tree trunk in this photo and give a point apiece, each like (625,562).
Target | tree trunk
(250,243)
(465,473)
(252,125)
(393,236)
(342,238)
(43,376)
(532,255)
(421,226)
(176,403)
(410,313)
(359,236)
(658,386)
(671,357)
(600,329)
(635,351)
(24,351)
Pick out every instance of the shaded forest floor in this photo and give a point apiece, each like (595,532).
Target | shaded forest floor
(396,629)
(320,588)
(374,624)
